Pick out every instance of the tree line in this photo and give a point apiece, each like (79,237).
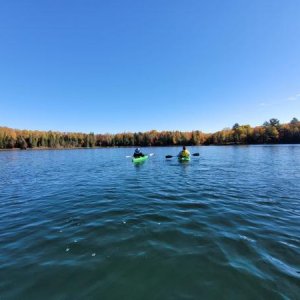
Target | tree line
(271,132)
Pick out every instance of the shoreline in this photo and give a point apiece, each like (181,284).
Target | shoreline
(169,146)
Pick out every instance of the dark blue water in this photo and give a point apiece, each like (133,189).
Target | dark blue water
(88,224)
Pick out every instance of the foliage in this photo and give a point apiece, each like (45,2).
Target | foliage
(271,132)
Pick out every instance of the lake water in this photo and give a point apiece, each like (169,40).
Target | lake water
(89,224)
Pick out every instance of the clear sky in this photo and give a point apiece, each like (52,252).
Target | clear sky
(137,65)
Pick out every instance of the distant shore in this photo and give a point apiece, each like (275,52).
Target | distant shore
(271,132)
(60,148)
(132,147)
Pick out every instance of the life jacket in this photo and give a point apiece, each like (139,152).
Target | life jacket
(185,153)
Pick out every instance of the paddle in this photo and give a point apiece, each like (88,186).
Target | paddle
(150,154)
(170,156)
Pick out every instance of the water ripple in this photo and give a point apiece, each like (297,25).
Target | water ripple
(89,224)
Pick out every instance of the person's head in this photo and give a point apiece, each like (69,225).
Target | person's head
(183,148)
(137,150)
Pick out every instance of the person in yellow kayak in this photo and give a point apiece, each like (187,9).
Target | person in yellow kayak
(184,152)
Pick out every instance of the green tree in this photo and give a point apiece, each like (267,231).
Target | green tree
(92,140)
(235,126)
(294,121)
(274,122)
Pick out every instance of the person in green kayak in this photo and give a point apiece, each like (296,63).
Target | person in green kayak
(184,152)
(138,153)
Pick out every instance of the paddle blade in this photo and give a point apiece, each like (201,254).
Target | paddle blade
(169,156)
(196,154)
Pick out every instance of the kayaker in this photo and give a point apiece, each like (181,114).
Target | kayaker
(138,153)
(184,152)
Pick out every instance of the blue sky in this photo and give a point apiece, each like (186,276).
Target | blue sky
(128,65)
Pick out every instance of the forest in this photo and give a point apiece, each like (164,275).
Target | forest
(271,132)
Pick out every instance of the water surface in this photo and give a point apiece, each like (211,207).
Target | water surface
(88,224)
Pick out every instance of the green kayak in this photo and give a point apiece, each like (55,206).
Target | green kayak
(139,159)
(184,158)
